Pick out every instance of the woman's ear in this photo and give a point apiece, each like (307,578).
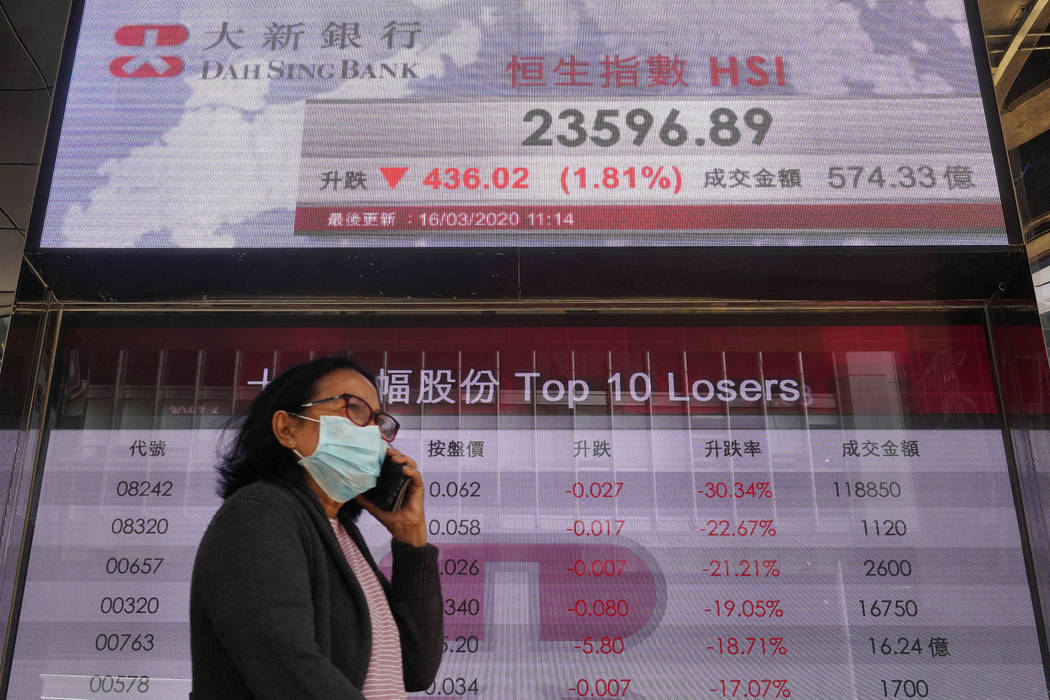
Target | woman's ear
(284,429)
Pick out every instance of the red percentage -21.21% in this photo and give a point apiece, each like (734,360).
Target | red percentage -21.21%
(751,568)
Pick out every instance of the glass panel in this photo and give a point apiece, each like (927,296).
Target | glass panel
(752,509)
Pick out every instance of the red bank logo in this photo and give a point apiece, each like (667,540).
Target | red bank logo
(149,64)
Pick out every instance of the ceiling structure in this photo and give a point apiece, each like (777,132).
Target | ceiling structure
(1019,53)
(32,32)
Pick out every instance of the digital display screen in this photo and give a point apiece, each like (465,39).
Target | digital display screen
(444,124)
(646,511)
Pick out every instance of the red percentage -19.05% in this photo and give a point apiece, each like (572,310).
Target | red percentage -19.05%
(746,608)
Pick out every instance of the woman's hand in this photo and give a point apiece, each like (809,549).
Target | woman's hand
(407,524)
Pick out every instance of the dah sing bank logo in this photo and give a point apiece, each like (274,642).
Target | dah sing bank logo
(151,38)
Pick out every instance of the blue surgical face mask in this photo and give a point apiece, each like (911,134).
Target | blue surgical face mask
(347,459)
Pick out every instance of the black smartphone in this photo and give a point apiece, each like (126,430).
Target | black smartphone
(391,486)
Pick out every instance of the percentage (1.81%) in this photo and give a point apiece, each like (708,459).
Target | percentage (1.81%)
(650,177)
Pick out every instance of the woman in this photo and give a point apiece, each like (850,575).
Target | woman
(286,601)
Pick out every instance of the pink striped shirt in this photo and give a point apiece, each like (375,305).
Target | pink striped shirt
(384,679)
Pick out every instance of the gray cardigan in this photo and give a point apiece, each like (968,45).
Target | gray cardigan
(275,611)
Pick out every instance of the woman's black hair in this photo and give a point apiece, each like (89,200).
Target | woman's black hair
(255,454)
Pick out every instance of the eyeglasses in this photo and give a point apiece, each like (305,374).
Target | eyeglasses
(360,413)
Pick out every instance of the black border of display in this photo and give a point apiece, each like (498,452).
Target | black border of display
(42,191)
(1018,495)
(995,127)
(740,272)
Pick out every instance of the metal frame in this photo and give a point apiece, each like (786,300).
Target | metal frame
(16,525)
(524,307)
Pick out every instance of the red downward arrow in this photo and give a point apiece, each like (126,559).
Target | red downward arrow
(393,175)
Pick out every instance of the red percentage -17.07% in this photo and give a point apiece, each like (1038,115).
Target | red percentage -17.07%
(752,688)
